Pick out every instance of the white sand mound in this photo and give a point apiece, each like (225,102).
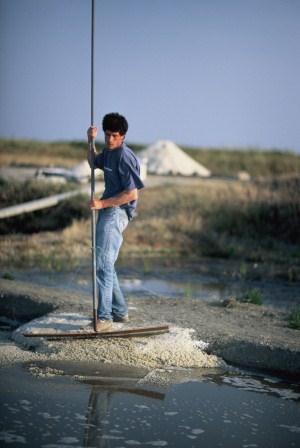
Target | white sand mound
(174,349)
(164,157)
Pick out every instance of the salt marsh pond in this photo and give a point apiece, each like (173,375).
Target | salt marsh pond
(192,409)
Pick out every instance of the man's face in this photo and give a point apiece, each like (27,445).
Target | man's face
(113,140)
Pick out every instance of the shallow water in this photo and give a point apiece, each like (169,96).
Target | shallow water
(177,284)
(237,409)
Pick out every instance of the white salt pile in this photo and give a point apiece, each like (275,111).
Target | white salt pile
(164,157)
(174,349)
(171,349)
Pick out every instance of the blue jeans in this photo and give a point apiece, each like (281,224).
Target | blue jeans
(110,226)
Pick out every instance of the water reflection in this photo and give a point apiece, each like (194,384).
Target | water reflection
(98,407)
(236,410)
(113,409)
(98,411)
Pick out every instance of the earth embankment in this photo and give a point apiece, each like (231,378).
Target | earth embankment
(243,334)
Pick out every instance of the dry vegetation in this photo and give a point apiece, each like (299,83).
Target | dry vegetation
(228,162)
(59,250)
(221,219)
(40,154)
(255,221)
(33,153)
(220,161)
(215,218)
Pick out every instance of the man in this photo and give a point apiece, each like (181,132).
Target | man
(116,208)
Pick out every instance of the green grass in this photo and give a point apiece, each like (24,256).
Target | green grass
(294,319)
(8,276)
(253,296)
(189,291)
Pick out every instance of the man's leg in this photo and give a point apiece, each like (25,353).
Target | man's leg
(110,225)
(119,306)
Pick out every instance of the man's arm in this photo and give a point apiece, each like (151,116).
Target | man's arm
(122,198)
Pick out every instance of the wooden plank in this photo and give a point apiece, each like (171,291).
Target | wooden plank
(130,332)
(101,335)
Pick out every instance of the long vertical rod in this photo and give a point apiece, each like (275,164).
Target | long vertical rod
(92,61)
(92,143)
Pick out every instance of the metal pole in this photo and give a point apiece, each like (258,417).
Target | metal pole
(92,143)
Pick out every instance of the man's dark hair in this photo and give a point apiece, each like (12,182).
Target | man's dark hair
(115,122)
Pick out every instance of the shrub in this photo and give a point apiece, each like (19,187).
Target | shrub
(294,319)
(253,296)
(8,276)
(260,213)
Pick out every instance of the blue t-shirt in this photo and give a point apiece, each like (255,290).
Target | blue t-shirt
(121,170)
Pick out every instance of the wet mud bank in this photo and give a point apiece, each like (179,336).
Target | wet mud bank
(245,335)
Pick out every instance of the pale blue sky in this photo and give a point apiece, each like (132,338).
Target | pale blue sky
(198,72)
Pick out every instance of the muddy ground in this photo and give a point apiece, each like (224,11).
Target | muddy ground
(242,334)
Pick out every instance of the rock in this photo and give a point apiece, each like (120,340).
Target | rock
(230,302)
